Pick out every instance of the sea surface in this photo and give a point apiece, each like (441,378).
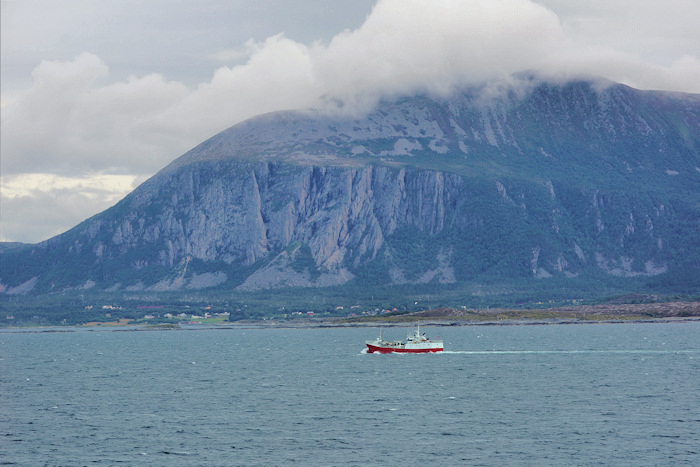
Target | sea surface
(598,394)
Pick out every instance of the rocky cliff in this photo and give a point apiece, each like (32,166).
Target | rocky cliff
(529,181)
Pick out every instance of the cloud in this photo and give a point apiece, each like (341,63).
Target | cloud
(70,121)
(278,75)
(43,205)
(411,45)
(92,186)
(75,120)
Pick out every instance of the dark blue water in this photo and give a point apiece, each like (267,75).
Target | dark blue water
(606,394)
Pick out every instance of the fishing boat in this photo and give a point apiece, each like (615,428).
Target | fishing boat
(416,343)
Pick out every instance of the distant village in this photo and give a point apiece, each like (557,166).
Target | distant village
(180,314)
(116,315)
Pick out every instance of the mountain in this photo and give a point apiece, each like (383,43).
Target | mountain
(584,183)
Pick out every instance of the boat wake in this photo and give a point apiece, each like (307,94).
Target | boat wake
(544,352)
(521,352)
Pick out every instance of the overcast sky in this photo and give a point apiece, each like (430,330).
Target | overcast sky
(99,95)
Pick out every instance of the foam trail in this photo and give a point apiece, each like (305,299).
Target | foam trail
(522,352)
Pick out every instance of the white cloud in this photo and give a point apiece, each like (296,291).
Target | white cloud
(28,185)
(76,120)
(70,121)
(73,119)
(43,205)
(412,45)
(278,75)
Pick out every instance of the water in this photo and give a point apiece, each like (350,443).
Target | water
(610,394)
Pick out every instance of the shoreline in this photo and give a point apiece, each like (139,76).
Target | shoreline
(332,323)
(610,313)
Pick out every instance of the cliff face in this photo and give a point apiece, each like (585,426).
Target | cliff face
(272,214)
(569,181)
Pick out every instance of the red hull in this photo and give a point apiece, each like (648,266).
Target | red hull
(374,348)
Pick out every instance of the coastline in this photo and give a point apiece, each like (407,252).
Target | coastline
(670,312)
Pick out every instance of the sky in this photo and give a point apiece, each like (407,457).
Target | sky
(98,95)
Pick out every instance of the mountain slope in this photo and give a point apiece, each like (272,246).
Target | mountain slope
(583,180)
